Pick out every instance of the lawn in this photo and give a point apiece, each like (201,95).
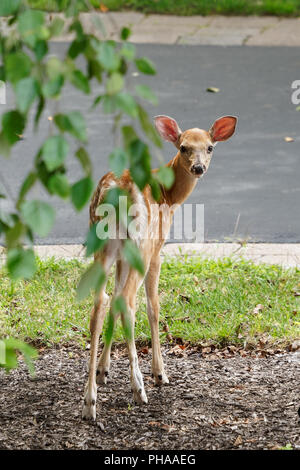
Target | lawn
(194,7)
(223,302)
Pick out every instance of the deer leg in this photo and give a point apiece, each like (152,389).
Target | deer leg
(128,320)
(122,270)
(90,397)
(107,258)
(151,287)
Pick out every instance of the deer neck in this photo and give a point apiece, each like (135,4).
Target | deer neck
(183,185)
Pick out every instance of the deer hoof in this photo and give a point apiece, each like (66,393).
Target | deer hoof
(89,409)
(160,379)
(101,376)
(140,396)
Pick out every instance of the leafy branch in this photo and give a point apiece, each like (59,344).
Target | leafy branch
(38,80)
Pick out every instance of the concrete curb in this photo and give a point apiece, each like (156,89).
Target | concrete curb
(196,30)
(192,30)
(286,255)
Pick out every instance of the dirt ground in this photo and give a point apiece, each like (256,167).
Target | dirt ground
(228,403)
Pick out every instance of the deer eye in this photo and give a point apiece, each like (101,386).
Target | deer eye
(210,148)
(183,149)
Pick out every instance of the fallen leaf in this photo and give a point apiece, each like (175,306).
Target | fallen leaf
(259,308)
(165,427)
(103,8)
(177,351)
(238,441)
(144,350)
(213,89)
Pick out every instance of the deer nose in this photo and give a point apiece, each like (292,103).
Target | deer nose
(198,169)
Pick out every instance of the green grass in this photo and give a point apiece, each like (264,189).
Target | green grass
(195,7)
(201,300)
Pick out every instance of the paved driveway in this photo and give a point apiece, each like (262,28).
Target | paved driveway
(253,178)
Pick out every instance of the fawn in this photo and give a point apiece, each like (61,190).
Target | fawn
(195,148)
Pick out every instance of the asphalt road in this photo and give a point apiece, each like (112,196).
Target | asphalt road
(252,189)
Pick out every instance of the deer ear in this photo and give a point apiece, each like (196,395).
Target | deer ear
(223,128)
(167,128)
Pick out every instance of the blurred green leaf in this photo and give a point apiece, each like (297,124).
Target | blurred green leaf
(17,66)
(39,216)
(145,66)
(148,127)
(108,56)
(81,192)
(133,256)
(6,218)
(72,122)
(125,33)
(53,87)
(93,242)
(59,184)
(31,26)
(145,92)
(128,51)
(77,27)
(140,163)
(114,84)
(84,159)
(129,135)
(80,81)
(54,67)
(26,92)
(127,103)
(13,124)
(21,263)
(40,108)
(109,104)
(118,161)
(12,345)
(119,305)
(40,49)
(112,196)
(93,278)
(4,146)
(155,189)
(54,152)
(14,234)
(165,176)
(26,186)
(9,7)
(56,26)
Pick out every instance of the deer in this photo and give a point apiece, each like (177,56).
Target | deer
(194,152)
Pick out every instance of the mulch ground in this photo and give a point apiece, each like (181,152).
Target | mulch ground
(224,403)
